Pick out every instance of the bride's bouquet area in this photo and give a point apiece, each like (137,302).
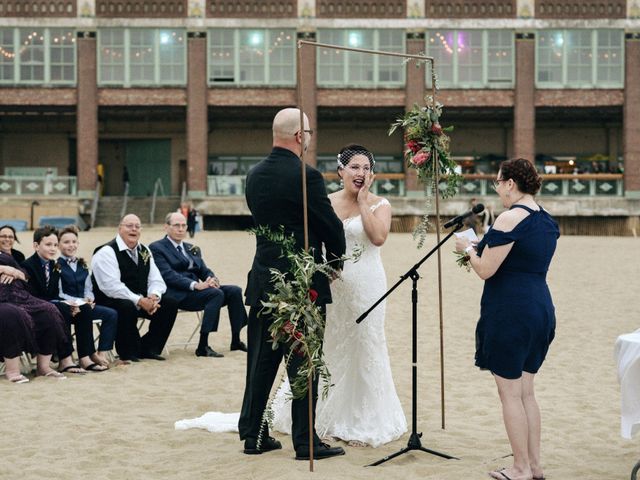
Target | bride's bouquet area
(297,320)
(427,151)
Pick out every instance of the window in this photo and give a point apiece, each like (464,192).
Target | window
(37,56)
(472,58)
(142,56)
(252,57)
(342,68)
(580,59)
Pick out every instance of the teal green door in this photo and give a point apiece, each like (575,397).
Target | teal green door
(148,160)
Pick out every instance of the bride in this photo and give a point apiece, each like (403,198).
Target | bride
(362,406)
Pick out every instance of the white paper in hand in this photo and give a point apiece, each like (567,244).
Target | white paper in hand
(469,234)
(74,303)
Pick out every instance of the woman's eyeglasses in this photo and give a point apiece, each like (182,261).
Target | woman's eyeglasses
(497,182)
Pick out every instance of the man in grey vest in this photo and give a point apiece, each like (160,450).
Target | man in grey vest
(126,278)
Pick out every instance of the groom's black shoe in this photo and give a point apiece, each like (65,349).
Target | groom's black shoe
(267,444)
(320,451)
(238,346)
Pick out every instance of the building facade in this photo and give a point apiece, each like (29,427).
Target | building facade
(182,93)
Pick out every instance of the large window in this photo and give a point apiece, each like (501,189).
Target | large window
(37,56)
(472,58)
(142,56)
(341,68)
(252,57)
(580,59)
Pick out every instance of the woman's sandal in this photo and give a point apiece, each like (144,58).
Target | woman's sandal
(77,369)
(55,374)
(18,379)
(96,367)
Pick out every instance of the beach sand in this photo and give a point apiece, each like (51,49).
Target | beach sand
(120,424)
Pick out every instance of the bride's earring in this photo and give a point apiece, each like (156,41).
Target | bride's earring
(341,183)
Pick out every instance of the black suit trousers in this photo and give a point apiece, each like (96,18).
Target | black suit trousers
(262,368)
(83,325)
(128,341)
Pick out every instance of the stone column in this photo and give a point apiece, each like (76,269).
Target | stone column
(524,109)
(631,116)
(87,114)
(307,89)
(197,117)
(414,93)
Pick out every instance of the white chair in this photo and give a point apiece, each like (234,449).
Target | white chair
(195,330)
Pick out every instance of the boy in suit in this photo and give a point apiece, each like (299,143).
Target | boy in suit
(43,278)
(75,287)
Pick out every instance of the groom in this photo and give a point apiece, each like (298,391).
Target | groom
(274,196)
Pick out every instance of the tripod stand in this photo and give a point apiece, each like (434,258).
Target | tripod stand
(414,442)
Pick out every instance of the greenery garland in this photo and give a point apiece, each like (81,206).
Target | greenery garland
(297,320)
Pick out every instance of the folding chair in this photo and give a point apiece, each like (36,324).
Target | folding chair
(195,330)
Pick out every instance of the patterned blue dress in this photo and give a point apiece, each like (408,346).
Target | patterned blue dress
(517,316)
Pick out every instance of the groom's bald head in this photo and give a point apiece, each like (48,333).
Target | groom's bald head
(287,122)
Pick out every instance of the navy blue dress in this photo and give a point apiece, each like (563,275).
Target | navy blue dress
(517,317)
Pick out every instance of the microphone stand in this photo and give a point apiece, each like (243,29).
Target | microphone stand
(414,442)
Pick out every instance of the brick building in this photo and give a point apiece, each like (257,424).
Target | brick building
(184,91)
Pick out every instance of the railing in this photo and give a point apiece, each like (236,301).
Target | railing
(225,185)
(566,185)
(94,206)
(156,186)
(393,184)
(20,185)
(125,199)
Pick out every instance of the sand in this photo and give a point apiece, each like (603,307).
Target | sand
(120,424)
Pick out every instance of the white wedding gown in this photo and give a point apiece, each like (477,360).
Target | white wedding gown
(362,404)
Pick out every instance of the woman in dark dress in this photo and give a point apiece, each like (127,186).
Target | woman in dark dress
(16,336)
(51,335)
(517,316)
(8,238)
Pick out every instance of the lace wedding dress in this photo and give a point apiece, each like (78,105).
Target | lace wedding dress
(362,404)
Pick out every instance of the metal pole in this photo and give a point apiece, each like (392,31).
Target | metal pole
(305,221)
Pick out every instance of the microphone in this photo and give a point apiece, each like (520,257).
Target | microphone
(458,220)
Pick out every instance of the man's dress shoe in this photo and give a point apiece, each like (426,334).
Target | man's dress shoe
(152,356)
(208,352)
(320,451)
(238,346)
(268,444)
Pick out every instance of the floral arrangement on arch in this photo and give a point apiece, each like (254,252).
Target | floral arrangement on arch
(297,320)
(425,141)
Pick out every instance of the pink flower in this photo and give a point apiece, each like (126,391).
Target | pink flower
(420,158)
(414,146)
(288,327)
(436,128)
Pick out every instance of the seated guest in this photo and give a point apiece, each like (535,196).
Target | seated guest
(16,336)
(51,332)
(195,286)
(43,276)
(126,278)
(8,238)
(76,287)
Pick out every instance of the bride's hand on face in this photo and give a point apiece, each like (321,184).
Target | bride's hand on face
(363,193)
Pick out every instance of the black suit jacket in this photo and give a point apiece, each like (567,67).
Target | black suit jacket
(274,196)
(174,267)
(37,281)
